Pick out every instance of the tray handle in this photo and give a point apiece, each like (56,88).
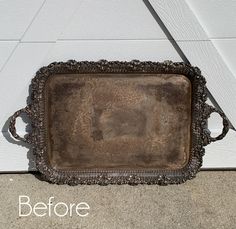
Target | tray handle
(12,123)
(207,135)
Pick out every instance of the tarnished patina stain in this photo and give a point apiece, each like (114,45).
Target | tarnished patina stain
(118,121)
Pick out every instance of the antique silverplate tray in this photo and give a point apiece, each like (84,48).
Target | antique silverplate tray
(118,122)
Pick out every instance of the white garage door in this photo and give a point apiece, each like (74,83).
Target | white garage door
(36,33)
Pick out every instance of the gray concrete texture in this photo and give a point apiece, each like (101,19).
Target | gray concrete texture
(208,201)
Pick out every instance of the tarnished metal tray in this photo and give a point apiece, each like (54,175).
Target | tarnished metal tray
(118,122)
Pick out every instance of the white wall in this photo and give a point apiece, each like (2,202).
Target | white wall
(218,18)
(34,33)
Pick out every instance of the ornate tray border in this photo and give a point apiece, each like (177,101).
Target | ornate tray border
(200,134)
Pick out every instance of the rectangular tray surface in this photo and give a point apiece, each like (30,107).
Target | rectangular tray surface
(118,121)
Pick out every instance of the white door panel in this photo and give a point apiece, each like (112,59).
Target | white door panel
(114,30)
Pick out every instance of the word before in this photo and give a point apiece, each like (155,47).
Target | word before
(60,209)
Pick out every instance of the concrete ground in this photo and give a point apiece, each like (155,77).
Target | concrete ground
(208,201)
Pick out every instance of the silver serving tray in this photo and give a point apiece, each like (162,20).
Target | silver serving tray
(118,122)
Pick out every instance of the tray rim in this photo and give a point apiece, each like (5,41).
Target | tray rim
(133,177)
